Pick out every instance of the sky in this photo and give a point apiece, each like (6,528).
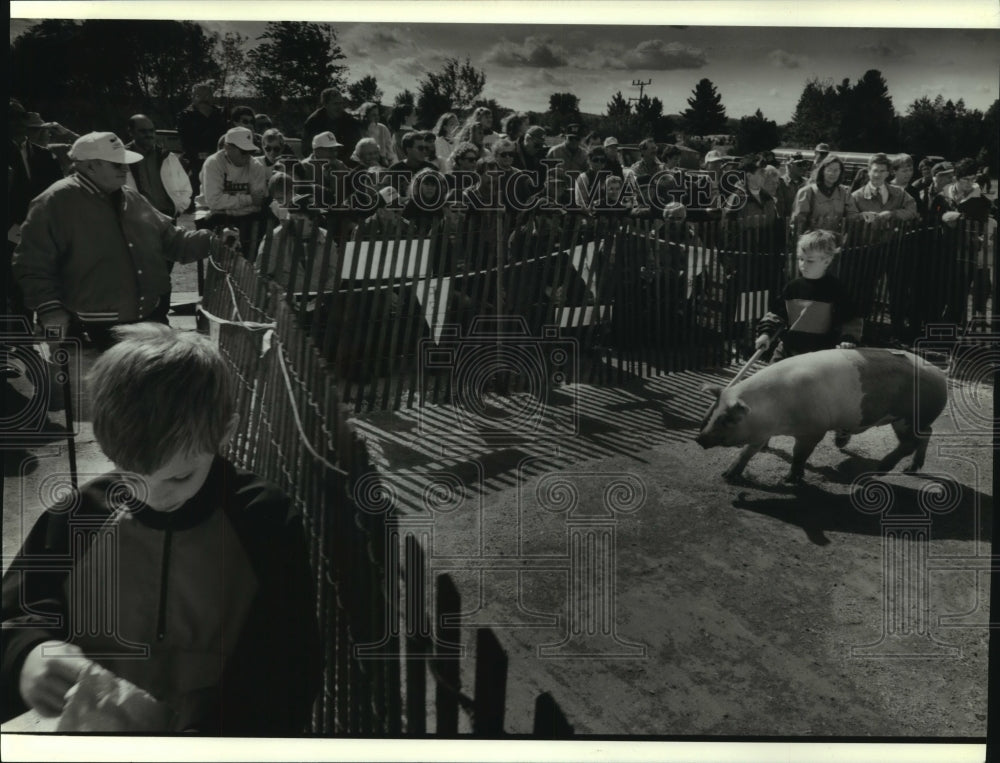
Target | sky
(752,67)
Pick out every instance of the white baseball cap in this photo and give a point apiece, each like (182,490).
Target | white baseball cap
(242,137)
(325,140)
(102,145)
(714,156)
(608,142)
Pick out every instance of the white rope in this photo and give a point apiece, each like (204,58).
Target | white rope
(271,340)
(242,324)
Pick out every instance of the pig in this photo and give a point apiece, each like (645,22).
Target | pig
(808,395)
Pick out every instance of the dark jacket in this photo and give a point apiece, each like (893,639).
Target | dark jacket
(101,256)
(821,312)
(200,134)
(22,188)
(215,600)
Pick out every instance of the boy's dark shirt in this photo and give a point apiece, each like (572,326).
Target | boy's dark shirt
(237,527)
(828,315)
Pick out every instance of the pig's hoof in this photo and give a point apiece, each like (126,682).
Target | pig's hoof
(792,479)
(841,439)
(731,475)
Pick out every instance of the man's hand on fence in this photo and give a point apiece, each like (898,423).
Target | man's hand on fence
(762,342)
(846,346)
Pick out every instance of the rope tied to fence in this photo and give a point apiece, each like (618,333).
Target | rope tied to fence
(270,341)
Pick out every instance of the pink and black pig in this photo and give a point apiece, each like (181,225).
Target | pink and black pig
(808,395)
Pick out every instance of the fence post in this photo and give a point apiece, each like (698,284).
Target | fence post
(491,685)
(550,723)
(447,648)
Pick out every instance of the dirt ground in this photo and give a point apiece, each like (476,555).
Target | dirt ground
(747,609)
(625,577)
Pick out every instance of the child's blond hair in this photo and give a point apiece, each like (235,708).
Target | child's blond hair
(159,392)
(822,242)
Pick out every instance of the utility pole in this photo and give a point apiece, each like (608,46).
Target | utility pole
(641,85)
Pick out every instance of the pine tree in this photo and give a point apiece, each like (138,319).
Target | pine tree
(756,134)
(705,114)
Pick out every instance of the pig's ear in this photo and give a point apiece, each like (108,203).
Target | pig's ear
(715,389)
(739,409)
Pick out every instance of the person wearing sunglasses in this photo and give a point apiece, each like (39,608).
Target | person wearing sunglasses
(416,148)
(278,155)
(588,185)
(233,186)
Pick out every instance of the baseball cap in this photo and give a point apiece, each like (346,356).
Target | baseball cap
(610,142)
(242,138)
(715,156)
(325,140)
(535,130)
(797,158)
(820,147)
(102,145)
(942,167)
(572,131)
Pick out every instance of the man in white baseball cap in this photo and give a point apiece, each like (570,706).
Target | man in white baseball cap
(93,251)
(233,187)
(103,158)
(614,163)
(324,171)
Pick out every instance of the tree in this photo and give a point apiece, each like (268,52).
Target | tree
(619,107)
(365,90)
(705,114)
(405,98)
(817,116)
(991,128)
(868,119)
(649,119)
(564,109)
(947,128)
(231,56)
(454,88)
(54,68)
(755,134)
(296,60)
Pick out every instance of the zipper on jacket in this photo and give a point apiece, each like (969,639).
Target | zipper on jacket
(161,620)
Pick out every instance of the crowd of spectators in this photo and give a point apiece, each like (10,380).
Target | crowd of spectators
(361,173)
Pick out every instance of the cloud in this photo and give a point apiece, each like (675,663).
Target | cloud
(659,55)
(534,52)
(782,59)
(369,39)
(884,49)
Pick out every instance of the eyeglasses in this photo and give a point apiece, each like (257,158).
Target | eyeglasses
(421,148)
(505,154)
(246,122)
(598,159)
(468,158)
(272,149)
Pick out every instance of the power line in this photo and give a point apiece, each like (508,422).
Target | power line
(641,85)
